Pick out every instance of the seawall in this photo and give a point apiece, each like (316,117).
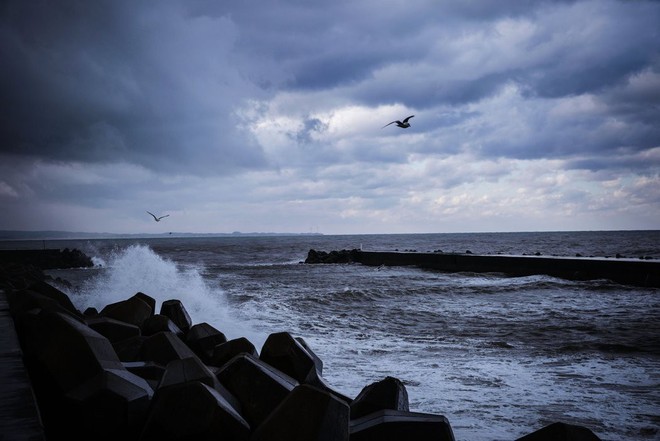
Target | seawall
(624,271)
(46,258)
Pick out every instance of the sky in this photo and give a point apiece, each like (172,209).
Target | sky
(267,116)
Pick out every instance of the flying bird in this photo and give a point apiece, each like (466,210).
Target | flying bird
(157,219)
(404,125)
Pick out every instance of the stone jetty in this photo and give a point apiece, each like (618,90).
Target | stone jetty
(637,272)
(47,258)
(139,371)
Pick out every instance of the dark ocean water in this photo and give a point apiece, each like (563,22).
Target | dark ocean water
(498,356)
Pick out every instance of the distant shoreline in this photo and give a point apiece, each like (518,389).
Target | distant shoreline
(10,235)
(17,235)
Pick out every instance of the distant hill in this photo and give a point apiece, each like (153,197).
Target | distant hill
(63,235)
(38,235)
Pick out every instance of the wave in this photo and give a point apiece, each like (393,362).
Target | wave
(137,268)
(613,348)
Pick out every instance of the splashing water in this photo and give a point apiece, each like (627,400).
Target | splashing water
(138,268)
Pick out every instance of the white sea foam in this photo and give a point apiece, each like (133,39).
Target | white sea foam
(138,268)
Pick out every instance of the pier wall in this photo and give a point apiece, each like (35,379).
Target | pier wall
(624,271)
(46,258)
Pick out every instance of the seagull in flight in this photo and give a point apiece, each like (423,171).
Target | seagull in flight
(404,125)
(157,219)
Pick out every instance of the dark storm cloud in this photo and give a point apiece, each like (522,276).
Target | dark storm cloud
(430,94)
(326,45)
(569,52)
(109,81)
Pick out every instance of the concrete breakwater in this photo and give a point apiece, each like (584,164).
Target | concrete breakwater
(636,272)
(136,371)
(47,258)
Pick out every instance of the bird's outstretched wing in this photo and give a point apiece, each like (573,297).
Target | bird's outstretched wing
(406,120)
(399,122)
(157,219)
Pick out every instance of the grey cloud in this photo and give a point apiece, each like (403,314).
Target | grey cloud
(569,53)
(108,81)
(94,74)
(164,88)
(620,161)
(584,136)
(428,95)
(638,102)
(311,126)
(598,51)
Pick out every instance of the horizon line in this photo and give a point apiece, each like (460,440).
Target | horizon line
(64,234)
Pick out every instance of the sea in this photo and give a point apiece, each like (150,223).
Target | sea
(498,356)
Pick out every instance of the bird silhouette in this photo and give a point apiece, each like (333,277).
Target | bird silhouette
(403,124)
(157,219)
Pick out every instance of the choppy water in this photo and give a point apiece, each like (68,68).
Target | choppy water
(498,356)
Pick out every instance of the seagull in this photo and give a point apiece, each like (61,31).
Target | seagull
(404,125)
(157,219)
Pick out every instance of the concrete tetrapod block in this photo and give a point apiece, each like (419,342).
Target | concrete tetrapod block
(27,300)
(50,291)
(67,354)
(306,414)
(175,310)
(134,310)
(17,276)
(71,352)
(258,387)
(148,300)
(25,308)
(224,352)
(389,393)
(185,370)
(287,354)
(561,432)
(130,349)
(293,357)
(318,363)
(203,338)
(397,425)
(192,369)
(164,347)
(160,323)
(90,312)
(27,329)
(193,411)
(112,329)
(112,405)
(148,370)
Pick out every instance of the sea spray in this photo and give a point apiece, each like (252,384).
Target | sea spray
(137,268)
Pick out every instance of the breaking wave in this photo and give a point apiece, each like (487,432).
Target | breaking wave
(137,268)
